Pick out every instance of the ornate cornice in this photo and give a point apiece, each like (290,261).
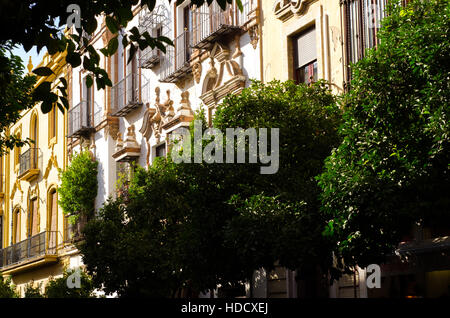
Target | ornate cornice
(285,9)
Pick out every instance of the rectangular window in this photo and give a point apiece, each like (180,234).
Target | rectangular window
(52,117)
(361,25)
(305,57)
(161,151)
(16,227)
(1,231)
(33,218)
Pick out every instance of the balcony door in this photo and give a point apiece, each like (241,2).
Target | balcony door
(52,202)
(187,28)
(132,95)
(86,105)
(33,218)
(16,226)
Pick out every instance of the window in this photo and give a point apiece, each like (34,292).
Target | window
(1,231)
(305,57)
(33,221)
(361,24)
(16,226)
(17,151)
(34,130)
(88,98)
(161,151)
(52,226)
(52,118)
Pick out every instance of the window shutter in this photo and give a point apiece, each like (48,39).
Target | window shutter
(306,48)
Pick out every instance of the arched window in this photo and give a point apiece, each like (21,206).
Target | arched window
(16,226)
(33,218)
(52,219)
(52,124)
(34,130)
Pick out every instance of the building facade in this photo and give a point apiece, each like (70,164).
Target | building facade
(215,53)
(35,237)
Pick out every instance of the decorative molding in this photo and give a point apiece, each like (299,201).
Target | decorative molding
(215,86)
(253,32)
(285,9)
(197,71)
(128,150)
(164,116)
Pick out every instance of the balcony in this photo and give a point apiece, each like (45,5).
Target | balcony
(35,251)
(150,58)
(127,96)
(156,23)
(212,23)
(73,232)
(83,118)
(176,62)
(29,164)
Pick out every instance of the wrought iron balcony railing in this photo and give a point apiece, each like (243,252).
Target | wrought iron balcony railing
(29,163)
(126,95)
(73,232)
(42,244)
(175,63)
(211,22)
(84,117)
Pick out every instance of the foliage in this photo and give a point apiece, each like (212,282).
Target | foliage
(46,29)
(57,288)
(79,185)
(184,225)
(392,168)
(15,95)
(32,291)
(7,290)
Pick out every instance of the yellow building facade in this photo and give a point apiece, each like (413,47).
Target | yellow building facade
(35,235)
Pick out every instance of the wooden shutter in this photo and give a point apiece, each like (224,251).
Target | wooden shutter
(34,217)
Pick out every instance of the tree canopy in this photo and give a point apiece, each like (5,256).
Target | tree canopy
(202,225)
(42,24)
(392,167)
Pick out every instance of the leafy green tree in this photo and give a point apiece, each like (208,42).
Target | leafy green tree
(32,291)
(194,226)
(42,24)
(7,290)
(392,168)
(58,288)
(15,95)
(79,186)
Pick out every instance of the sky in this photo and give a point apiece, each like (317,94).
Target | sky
(35,57)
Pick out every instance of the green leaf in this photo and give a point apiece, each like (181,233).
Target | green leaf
(112,24)
(43,71)
(89,81)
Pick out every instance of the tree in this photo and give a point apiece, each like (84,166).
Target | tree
(59,288)
(32,291)
(7,290)
(15,96)
(42,24)
(195,226)
(79,186)
(391,169)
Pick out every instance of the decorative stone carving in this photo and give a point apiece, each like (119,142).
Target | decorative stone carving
(284,9)
(228,78)
(253,32)
(165,117)
(197,71)
(128,150)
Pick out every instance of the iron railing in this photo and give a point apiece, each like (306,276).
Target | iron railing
(84,117)
(28,160)
(175,62)
(44,243)
(126,95)
(150,57)
(211,22)
(73,232)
